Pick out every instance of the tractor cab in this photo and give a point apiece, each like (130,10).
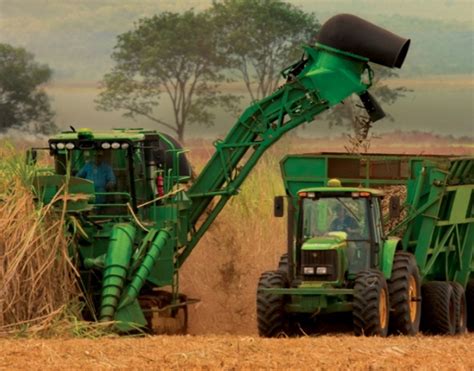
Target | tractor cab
(337,232)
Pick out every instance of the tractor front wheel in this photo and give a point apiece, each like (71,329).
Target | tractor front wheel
(272,319)
(405,295)
(438,308)
(371,304)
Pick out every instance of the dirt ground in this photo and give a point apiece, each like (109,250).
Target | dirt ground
(233,352)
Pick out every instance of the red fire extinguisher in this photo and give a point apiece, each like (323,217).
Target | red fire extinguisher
(160,185)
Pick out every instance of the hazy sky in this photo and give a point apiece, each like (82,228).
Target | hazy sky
(76,37)
(62,33)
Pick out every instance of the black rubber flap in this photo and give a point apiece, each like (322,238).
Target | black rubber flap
(352,34)
(372,107)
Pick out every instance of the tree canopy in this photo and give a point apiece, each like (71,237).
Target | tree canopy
(23,102)
(261,37)
(169,53)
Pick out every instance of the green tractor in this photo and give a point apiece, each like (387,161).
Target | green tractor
(341,259)
(135,215)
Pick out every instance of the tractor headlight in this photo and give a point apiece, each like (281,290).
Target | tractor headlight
(308,270)
(322,270)
(105,145)
(60,146)
(115,145)
(125,145)
(70,146)
(53,146)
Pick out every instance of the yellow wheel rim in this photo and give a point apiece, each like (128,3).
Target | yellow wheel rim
(413,297)
(383,310)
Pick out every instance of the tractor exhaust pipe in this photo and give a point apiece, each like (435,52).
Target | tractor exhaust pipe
(354,35)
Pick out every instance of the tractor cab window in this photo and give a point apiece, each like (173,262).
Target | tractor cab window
(335,214)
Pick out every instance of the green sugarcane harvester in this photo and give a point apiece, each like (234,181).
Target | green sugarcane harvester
(131,237)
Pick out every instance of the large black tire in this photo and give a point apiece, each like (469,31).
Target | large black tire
(370,312)
(470,304)
(438,308)
(405,295)
(459,307)
(272,320)
(283,263)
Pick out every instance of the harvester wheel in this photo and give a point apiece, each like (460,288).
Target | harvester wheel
(459,307)
(438,308)
(405,295)
(163,318)
(470,304)
(283,263)
(371,304)
(272,319)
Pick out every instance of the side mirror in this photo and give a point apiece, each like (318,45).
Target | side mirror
(394,207)
(279,206)
(31,156)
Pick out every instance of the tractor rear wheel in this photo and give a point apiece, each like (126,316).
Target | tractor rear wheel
(371,304)
(272,320)
(438,308)
(470,304)
(459,307)
(405,295)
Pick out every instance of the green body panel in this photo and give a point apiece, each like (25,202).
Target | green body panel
(333,242)
(322,299)
(388,253)
(439,224)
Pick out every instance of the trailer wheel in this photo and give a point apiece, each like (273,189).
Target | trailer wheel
(371,304)
(272,319)
(283,263)
(405,295)
(438,308)
(459,307)
(470,304)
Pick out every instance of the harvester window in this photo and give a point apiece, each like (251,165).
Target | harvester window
(108,169)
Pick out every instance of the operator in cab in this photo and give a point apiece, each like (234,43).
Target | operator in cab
(344,221)
(100,172)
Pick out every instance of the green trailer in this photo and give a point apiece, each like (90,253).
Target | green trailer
(341,259)
(134,215)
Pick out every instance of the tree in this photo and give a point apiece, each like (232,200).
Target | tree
(23,102)
(352,115)
(173,54)
(261,37)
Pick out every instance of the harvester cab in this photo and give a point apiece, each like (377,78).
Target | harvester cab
(117,170)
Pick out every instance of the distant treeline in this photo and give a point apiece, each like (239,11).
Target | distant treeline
(79,46)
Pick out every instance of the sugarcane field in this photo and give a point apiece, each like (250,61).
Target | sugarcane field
(236,184)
